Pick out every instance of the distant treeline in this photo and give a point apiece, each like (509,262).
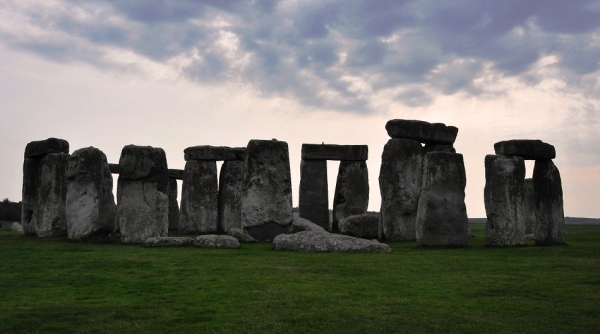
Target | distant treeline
(10,211)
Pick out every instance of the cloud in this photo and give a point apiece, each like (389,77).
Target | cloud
(324,54)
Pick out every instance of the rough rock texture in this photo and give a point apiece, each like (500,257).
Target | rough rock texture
(529,206)
(16,227)
(143,205)
(549,213)
(241,235)
(90,206)
(39,149)
(360,226)
(173,204)
(169,242)
(503,198)
(176,174)
(428,133)
(311,241)
(335,152)
(212,153)
(442,214)
(114,168)
(230,196)
(267,189)
(44,194)
(526,148)
(314,198)
(400,188)
(199,196)
(438,148)
(302,224)
(216,241)
(351,191)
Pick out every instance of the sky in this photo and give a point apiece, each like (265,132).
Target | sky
(175,74)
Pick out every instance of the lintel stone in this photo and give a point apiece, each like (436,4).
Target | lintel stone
(528,149)
(425,132)
(38,149)
(214,153)
(335,152)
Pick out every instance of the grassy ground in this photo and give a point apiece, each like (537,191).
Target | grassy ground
(55,285)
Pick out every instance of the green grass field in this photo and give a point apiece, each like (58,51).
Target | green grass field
(56,285)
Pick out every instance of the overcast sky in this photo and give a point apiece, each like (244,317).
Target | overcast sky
(175,74)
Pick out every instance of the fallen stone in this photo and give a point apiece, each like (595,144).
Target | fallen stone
(312,241)
(39,149)
(90,204)
(428,133)
(400,188)
(335,152)
(229,206)
(442,214)
(216,241)
(360,226)
(241,235)
(16,227)
(351,191)
(526,148)
(529,207)
(314,198)
(169,242)
(503,198)
(211,153)
(173,204)
(176,174)
(302,224)
(199,196)
(549,213)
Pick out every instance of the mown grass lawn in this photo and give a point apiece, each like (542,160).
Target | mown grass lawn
(56,285)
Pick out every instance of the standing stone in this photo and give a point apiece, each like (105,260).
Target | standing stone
(549,213)
(441,213)
(529,207)
(199,197)
(32,170)
(400,187)
(173,204)
(90,203)
(230,196)
(143,204)
(351,191)
(503,197)
(267,190)
(313,199)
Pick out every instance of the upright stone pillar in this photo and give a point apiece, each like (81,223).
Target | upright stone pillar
(143,204)
(441,213)
(504,200)
(230,195)
(351,191)
(90,202)
(529,207)
(199,197)
(267,190)
(549,213)
(45,188)
(400,187)
(173,204)
(313,198)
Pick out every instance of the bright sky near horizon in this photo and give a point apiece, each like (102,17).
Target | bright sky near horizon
(175,74)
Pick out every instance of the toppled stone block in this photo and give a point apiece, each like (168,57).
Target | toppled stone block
(425,132)
(212,153)
(311,241)
(360,226)
(90,204)
(527,149)
(314,198)
(199,196)
(335,152)
(170,242)
(230,196)
(241,235)
(216,241)
(503,197)
(302,224)
(39,149)
(549,213)
(351,191)
(16,227)
(176,174)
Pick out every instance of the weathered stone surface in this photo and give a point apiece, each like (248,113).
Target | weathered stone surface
(143,205)
(32,170)
(169,242)
(212,153)
(314,198)
(442,214)
(216,241)
(526,148)
(199,196)
(351,191)
(312,241)
(16,227)
(38,149)
(302,224)
(114,168)
(529,206)
(173,204)
(425,132)
(549,213)
(335,152)
(267,189)
(176,174)
(400,187)
(438,148)
(90,204)
(230,196)
(503,198)
(241,235)
(360,226)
